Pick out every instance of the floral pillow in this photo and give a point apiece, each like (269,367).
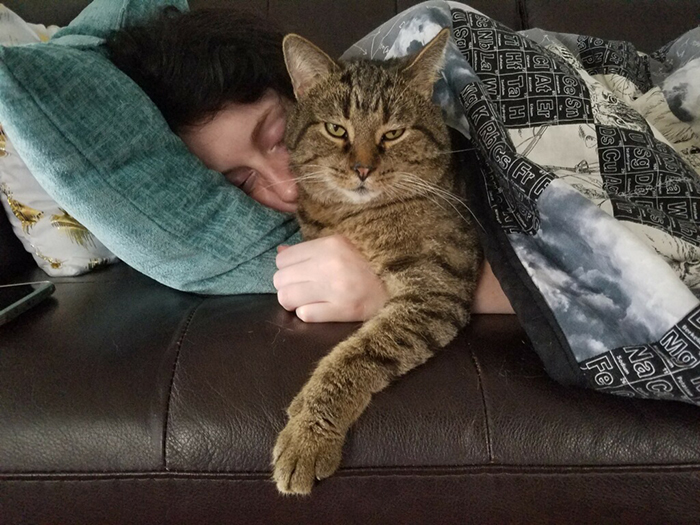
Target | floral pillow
(59,244)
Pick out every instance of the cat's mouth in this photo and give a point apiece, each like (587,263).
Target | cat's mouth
(365,192)
(359,195)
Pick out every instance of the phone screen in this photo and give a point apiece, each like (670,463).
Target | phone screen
(9,295)
(17,298)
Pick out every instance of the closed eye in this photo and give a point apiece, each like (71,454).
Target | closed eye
(243,178)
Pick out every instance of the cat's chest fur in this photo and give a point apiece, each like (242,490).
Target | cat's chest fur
(381,233)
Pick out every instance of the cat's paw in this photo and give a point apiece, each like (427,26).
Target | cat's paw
(307,450)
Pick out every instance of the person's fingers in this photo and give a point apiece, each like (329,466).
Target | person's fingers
(327,312)
(325,247)
(296,295)
(293,255)
(310,261)
(282,247)
(284,277)
(297,273)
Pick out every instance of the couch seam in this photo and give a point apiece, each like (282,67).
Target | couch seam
(178,347)
(480,384)
(365,472)
(524,14)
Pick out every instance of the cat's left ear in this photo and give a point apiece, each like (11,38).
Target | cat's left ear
(425,68)
(307,64)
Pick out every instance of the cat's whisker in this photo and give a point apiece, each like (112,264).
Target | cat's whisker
(429,194)
(434,187)
(313,174)
(413,178)
(394,192)
(435,199)
(441,193)
(423,191)
(304,165)
(308,176)
(425,194)
(455,151)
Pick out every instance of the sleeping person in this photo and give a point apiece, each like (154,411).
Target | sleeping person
(218,77)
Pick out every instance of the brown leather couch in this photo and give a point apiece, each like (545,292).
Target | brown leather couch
(122,401)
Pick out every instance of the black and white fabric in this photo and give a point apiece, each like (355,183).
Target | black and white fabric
(589,189)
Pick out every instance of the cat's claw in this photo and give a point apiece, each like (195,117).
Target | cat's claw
(304,452)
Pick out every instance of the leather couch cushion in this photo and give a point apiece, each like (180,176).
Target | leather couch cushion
(118,389)
(144,378)
(648,24)
(334,26)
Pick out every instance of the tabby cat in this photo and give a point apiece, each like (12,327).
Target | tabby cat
(371,155)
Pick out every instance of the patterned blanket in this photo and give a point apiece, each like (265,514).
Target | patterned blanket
(588,193)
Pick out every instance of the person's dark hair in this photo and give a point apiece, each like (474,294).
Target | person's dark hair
(194,64)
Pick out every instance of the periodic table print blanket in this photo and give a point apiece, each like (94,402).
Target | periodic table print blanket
(588,196)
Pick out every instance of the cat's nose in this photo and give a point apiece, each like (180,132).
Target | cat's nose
(362,170)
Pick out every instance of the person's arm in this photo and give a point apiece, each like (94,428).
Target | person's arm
(328,280)
(489,297)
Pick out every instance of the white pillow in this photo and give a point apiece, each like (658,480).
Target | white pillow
(60,245)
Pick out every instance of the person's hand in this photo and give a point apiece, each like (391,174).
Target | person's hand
(327,280)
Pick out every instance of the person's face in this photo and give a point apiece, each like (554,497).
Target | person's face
(245,143)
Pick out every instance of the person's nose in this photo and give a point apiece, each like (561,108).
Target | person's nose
(281,180)
(286,187)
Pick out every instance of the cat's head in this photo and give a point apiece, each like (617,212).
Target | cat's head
(365,131)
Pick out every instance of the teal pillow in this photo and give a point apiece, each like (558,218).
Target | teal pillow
(102,17)
(101,149)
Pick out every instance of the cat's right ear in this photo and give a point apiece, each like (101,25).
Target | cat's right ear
(306,63)
(425,67)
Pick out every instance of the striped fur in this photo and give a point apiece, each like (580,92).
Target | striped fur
(405,223)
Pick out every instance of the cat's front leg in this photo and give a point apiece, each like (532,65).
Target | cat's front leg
(387,346)
(309,448)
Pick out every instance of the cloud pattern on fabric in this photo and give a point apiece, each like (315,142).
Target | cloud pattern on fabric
(605,287)
(676,68)
(682,92)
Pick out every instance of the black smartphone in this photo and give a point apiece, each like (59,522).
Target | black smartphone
(17,298)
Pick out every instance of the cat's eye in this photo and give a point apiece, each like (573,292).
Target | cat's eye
(334,130)
(393,134)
